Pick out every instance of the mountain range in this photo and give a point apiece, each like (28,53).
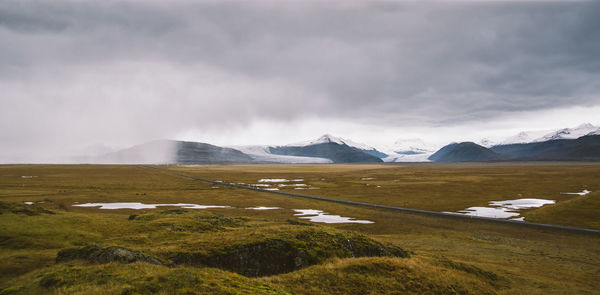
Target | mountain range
(581,143)
(544,135)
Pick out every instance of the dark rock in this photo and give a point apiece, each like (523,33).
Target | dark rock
(99,255)
(132,217)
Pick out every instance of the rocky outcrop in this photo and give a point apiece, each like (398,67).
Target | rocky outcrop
(99,255)
(281,255)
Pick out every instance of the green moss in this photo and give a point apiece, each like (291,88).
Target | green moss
(140,278)
(99,255)
(29,210)
(379,276)
(487,276)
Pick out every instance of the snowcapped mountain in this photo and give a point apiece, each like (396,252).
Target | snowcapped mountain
(545,135)
(487,142)
(409,150)
(327,138)
(569,133)
(597,132)
(524,137)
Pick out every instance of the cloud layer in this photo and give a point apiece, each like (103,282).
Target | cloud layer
(121,72)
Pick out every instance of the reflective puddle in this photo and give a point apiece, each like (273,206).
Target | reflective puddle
(581,193)
(505,209)
(137,205)
(279,180)
(321,216)
(274,184)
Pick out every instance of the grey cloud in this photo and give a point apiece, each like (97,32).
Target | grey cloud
(125,71)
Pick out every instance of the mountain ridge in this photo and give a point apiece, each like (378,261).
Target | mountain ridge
(557,145)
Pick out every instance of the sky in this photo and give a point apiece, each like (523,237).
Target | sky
(83,77)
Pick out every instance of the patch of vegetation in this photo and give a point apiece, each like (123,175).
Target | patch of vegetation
(184,221)
(29,210)
(288,253)
(380,276)
(298,222)
(482,258)
(99,255)
(136,278)
(487,276)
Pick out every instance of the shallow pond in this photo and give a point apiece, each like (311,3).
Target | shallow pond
(137,205)
(581,193)
(324,217)
(506,209)
(279,180)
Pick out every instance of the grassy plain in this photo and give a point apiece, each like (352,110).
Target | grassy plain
(440,187)
(449,256)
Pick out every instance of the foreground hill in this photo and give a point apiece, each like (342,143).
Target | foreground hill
(465,152)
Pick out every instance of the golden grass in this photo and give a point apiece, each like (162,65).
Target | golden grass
(525,260)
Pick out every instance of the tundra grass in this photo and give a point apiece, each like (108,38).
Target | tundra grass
(449,256)
(440,187)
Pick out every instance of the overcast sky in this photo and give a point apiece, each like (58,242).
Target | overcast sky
(79,75)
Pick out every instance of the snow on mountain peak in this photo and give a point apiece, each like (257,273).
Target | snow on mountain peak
(545,135)
(327,138)
(569,133)
(524,137)
(487,142)
(411,146)
(586,126)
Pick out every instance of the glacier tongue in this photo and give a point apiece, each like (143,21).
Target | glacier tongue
(261,153)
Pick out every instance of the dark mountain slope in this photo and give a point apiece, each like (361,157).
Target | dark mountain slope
(465,152)
(330,150)
(203,153)
(176,152)
(586,148)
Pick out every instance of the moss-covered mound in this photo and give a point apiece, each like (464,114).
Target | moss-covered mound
(99,255)
(180,220)
(283,254)
(17,208)
(382,275)
(136,278)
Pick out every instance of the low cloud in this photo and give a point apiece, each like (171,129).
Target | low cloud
(73,74)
